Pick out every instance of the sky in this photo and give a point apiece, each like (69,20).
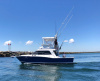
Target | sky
(23,23)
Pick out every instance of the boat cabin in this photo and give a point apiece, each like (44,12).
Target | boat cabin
(46,52)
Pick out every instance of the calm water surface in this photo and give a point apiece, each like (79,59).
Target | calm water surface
(86,69)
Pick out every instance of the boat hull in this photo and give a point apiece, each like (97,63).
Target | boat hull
(44,60)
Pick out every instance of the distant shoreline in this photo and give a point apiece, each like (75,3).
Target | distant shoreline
(9,54)
(76,52)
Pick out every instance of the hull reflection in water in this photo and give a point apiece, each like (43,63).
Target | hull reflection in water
(45,72)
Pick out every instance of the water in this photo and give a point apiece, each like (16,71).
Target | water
(86,69)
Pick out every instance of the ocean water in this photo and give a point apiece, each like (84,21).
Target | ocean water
(86,69)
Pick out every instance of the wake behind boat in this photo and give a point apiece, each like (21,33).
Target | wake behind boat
(48,53)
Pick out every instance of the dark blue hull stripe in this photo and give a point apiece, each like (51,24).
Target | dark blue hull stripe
(44,60)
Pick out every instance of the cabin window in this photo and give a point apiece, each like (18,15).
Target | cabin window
(42,52)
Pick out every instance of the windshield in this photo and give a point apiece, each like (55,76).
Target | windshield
(42,52)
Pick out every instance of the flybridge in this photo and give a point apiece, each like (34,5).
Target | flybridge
(48,42)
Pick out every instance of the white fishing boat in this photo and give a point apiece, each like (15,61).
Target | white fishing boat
(48,53)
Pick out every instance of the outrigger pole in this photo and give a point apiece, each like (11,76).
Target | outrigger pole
(57,36)
(64,20)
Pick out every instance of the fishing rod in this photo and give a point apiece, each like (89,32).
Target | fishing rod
(61,45)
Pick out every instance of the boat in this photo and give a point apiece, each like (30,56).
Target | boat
(48,53)
(13,56)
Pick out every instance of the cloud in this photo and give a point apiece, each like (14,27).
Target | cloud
(65,40)
(71,41)
(7,42)
(29,42)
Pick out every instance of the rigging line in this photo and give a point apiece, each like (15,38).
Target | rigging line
(65,20)
(65,26)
